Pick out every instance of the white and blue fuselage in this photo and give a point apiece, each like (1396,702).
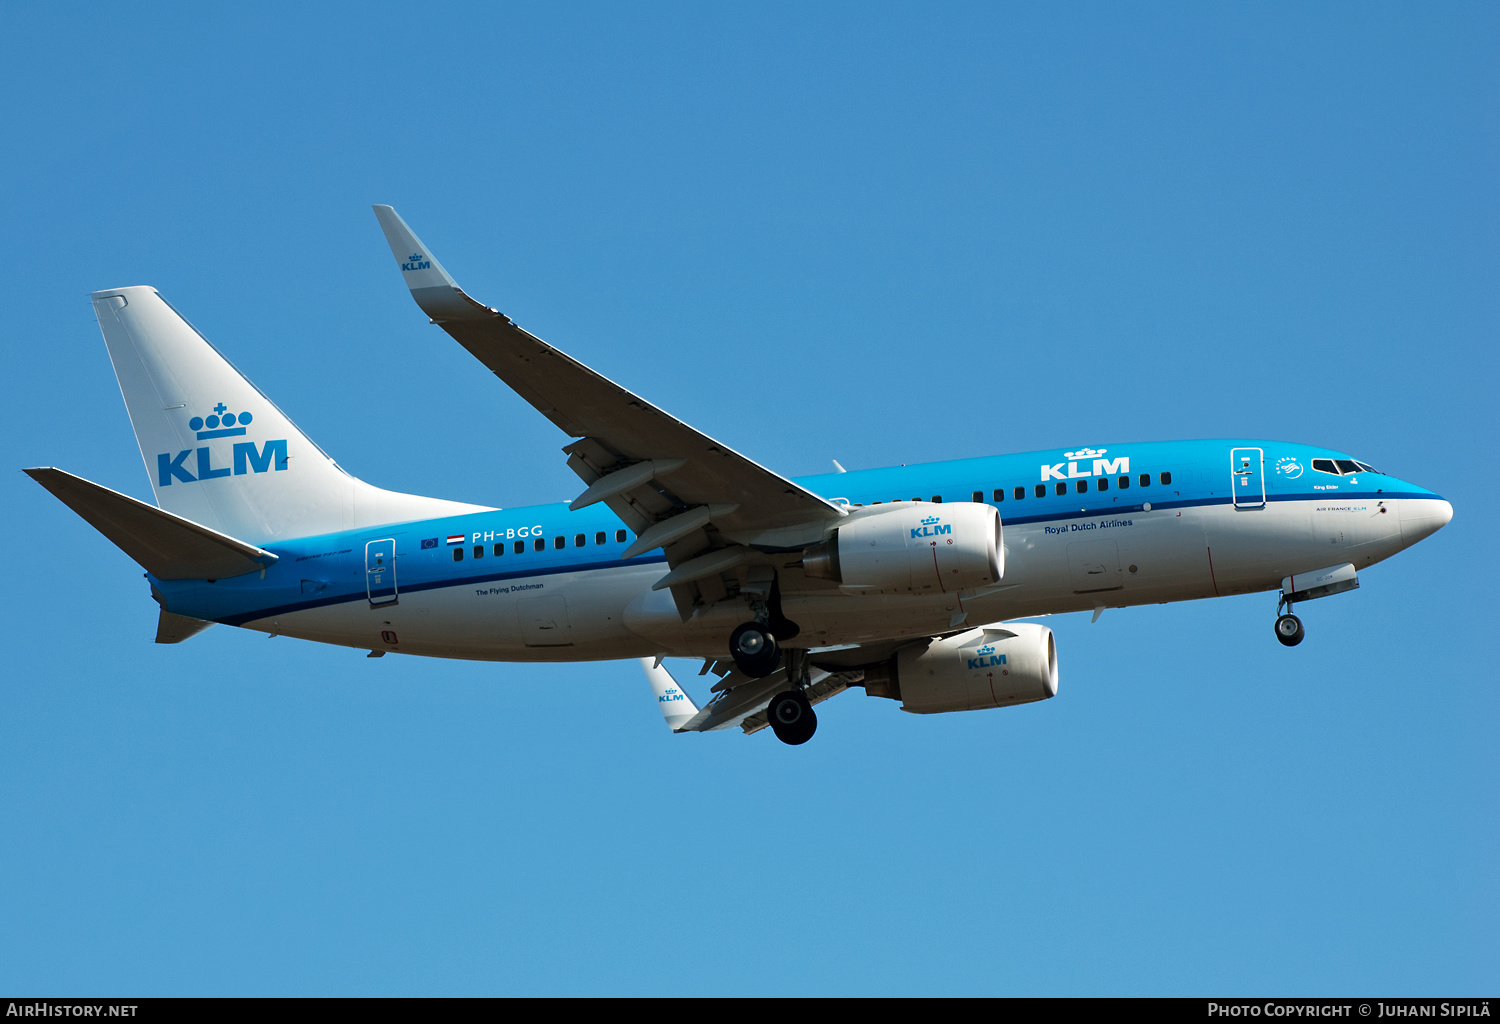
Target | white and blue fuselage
(1144,524)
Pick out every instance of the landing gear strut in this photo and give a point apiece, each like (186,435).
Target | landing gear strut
(1288,627)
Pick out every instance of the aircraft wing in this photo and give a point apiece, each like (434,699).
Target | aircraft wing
(676,487)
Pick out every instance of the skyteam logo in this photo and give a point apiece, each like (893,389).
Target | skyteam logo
(417,262)
(1289,467)
(1101,467)
(247,457)
(932,526)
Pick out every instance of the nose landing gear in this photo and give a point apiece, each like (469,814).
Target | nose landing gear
(1288,627)
(1289,630)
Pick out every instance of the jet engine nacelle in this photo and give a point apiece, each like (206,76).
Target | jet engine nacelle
(990,667)
(914,547)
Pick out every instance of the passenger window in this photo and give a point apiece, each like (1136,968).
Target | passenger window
(559,542)
(979,497)
(619,536)
(499,550)
(458,554)
(999,493)
(520,547)
(599,537)
(1166,478)
(1082,486)
(917,498)
(540,544)
(1145,479)
(579,540)
(1347,466)
(1123,482)
(478,550)
(1062,488)
(937,499)
(1041,490)
(1104,483)
(1020,492)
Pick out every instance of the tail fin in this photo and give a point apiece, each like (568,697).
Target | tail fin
(218,451)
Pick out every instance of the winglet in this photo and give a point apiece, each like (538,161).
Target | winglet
(431,286)
(676,706)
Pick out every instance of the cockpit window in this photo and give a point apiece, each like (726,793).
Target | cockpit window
(1343,467)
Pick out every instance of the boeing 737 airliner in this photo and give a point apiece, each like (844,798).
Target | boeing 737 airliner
(907,581)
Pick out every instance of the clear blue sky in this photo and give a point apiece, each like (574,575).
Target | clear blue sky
(874,233)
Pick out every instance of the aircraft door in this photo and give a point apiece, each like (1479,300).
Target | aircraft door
(1247,479)
(380,571)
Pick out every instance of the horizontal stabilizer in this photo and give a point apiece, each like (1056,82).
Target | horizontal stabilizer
(167,546)
(174,629)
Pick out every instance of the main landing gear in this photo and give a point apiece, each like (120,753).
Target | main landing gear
(754,650)
(1288,627)
(757,654)
(792,717)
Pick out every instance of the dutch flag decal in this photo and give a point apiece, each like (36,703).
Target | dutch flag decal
(457,538)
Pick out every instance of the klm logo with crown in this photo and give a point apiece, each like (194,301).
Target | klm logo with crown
(246,457)
(416,262)
(931,528)
(220,423)
(986,657)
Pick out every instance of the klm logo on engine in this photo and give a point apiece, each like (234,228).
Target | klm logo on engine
(986,657)
(931,527)
(416,263)
(1101,467)
(247,457)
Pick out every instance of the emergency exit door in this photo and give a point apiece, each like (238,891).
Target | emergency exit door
(380,571)
(1247,479)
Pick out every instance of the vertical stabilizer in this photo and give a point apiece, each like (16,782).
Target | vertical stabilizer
(217,450)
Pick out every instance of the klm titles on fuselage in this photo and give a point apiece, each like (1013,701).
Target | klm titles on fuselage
(1101,467)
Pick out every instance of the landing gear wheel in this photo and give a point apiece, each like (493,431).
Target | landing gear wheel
(754,650)
(791,717)
(1289,630)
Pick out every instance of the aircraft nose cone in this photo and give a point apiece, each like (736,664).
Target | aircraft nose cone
(1422,517)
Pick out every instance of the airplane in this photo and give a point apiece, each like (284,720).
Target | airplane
(911,582)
